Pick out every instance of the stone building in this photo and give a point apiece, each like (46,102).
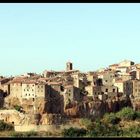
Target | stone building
(120,85)
(16,89)
(108,77)
(126,63)
(92,78)
(128,87)
(113,66)
(136,88)
(28,90)
(107,90)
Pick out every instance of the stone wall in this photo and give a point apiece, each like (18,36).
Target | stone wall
(26,128)
(46,128)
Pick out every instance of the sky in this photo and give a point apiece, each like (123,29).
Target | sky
(44,36)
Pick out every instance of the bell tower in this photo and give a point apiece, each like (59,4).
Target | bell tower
(69,66)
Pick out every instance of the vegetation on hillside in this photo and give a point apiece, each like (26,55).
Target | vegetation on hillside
(5,126)
(109,126)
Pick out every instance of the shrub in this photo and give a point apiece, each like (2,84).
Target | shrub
(24,134)
(137,115)
(73,132)
(5,126)
(127,113)
(101,129)
(111,118)
(18,108)
(132,131)
(86,122)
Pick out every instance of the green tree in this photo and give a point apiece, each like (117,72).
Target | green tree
(17,107)
(86,122)
(111,118)
(5,126)
(127,113)
(137,114)
(74,132)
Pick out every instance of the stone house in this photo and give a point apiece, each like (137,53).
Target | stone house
(126,63)
(128,87)
(16,89)
(113,66)
(120,85)
(136,88)
(101,90)
(108,77)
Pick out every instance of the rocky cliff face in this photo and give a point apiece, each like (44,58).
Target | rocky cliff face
(50,119)
(10,102)
(96,108)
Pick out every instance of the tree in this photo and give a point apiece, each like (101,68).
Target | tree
(127,113)
(5,126)
(17,107)
(86,122)
(111,118)
(74,132)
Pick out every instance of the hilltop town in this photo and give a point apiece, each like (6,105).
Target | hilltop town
(41,101)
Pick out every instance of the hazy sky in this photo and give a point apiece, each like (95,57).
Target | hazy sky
(35,37)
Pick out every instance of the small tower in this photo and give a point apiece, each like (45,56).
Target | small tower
(68,66)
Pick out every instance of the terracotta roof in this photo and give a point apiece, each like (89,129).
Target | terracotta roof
(119,81)
(101,73)
(122,67)
(15,81)
(29,82)
(67,86)
(54,83)
(113,65)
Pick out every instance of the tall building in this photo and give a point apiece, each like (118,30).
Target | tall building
(69,66)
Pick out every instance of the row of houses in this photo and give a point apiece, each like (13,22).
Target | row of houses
(118,79)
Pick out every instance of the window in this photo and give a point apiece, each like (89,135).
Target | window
(26,94)
(106,80)
(135,90)
(27,89)
(41,86)
(95,93)
(113,90)
(106,90)
(32,90)
(62,88)
(29,94)
(32,94)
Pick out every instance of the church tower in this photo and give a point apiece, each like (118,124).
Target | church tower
(69,66)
